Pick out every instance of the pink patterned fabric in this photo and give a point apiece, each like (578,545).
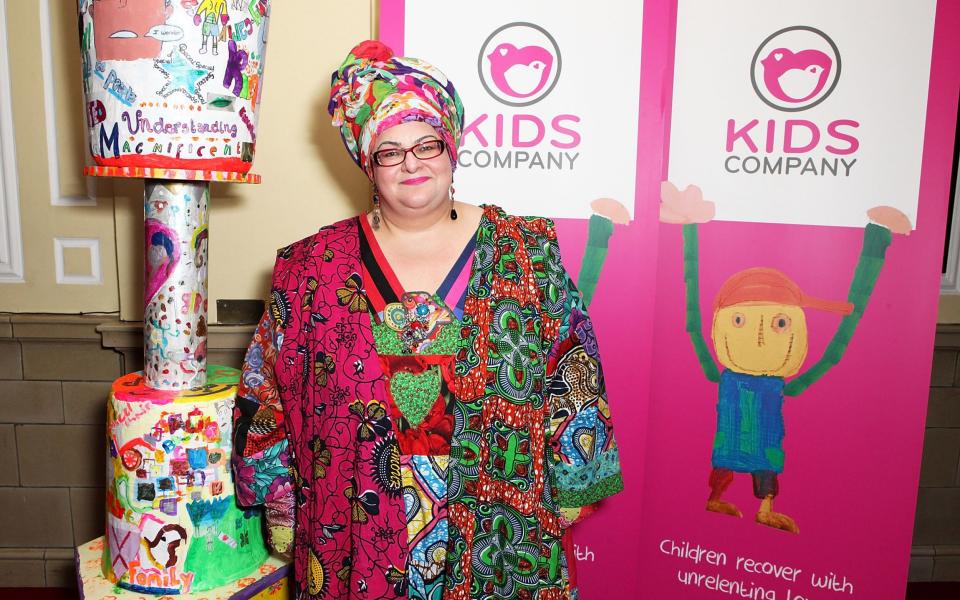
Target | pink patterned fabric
(336,430)
(529,438)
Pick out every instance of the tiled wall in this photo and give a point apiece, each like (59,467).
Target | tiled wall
(55,373)
(936,537)
(53,381)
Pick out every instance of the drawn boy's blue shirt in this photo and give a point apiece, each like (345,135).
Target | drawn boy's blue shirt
(749,423)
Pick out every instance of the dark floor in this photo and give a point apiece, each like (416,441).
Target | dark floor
(915,591)
(933,591)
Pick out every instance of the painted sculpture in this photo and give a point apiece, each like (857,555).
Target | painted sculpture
(172,91)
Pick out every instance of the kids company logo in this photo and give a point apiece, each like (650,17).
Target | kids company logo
(519,64)
(795,68)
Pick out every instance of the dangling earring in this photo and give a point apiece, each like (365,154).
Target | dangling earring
(376,209)
(453,211)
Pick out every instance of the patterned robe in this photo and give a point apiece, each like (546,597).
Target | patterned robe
(532,431)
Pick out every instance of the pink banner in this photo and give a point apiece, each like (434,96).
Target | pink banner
(851,450)
(622,307)
(853,439)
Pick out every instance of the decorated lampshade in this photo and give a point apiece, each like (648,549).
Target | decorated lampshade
(173,84)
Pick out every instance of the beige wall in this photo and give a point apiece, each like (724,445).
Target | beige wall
(42,222)
(949,309)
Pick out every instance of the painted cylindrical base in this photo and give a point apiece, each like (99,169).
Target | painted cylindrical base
(173,523)
(175,283)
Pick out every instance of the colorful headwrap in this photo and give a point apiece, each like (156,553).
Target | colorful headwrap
(374,90)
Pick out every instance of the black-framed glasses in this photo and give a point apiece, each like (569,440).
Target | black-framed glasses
(390,157)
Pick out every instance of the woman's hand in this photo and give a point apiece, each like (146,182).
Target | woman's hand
(280,538)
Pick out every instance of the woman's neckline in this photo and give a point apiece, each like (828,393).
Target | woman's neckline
(387,277)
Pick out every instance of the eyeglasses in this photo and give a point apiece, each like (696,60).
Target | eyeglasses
(391,157)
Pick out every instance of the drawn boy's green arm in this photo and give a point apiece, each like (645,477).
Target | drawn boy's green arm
(691,278)
(598,238)
(875,241)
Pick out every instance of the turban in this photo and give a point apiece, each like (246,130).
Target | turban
(374,90)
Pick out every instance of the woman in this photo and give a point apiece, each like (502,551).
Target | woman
(423,396)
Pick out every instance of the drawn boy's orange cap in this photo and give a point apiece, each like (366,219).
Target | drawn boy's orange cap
(769,286)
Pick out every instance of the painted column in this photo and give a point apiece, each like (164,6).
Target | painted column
(175,296)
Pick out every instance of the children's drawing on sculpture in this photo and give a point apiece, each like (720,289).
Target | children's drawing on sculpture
(760,338)
(162,63)
(183,74)
(162,253)
(163,541)
(210,15)
(171,508)
(132,30)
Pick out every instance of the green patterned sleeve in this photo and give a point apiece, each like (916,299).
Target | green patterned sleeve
(691,278)
(586,462)
(876,239)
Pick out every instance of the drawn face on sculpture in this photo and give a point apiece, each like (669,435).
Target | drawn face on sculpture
(159,252)
(761,338)
(124,29)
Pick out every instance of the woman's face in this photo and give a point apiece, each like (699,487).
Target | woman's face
(414,184)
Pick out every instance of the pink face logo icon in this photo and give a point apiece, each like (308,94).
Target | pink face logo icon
(795,77)
(520,72)
(519,64)
(795,68)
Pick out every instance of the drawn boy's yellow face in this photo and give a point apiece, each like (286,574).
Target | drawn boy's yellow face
(761,338)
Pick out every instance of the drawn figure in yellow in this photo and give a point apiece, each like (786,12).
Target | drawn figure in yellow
(210,15)
(759,334)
